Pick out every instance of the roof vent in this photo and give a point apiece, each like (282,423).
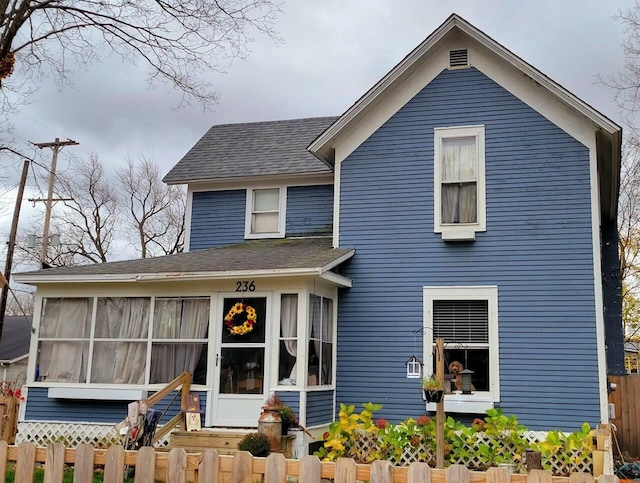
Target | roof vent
(458,58)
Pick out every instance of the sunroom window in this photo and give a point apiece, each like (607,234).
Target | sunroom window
(180,327)
(288,346)
(321,330)
(120,345)
(114,347)
(65,330)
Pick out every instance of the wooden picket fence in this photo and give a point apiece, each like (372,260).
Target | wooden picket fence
(9,418)
(177,466)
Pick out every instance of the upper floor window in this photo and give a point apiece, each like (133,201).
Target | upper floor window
(266,213)
(467,319)
(459,182)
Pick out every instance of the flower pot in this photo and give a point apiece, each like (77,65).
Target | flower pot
(432,395)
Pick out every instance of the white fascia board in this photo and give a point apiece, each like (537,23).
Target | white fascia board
(186,276)
(187,219)
(556,89)
(336,279)
(260,181)
(4,362)
(323,146)
(598,288)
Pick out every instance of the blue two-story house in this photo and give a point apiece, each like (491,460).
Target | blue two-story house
(465,196)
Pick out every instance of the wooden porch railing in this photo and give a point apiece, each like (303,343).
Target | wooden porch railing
(183,380)
(178,466)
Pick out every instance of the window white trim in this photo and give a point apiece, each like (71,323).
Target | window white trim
(92,339)
(282,213)
(479,401)
(459,231)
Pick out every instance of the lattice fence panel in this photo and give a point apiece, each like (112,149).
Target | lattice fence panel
(367,447)
(42,433)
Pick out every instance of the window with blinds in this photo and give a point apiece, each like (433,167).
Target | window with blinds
(464,325)
(462,321)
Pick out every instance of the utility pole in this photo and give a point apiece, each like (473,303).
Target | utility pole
(56,146)
(11,245)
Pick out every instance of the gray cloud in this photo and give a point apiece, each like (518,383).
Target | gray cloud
(333,52)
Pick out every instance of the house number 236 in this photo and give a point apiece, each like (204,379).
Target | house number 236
(245,286)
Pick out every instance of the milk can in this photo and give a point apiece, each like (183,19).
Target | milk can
(270,424)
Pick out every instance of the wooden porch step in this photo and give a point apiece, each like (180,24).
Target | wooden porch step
(225,442)
(222,440)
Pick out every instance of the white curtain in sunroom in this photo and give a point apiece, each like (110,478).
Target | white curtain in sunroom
(64,360)
(121,361)
(177,319)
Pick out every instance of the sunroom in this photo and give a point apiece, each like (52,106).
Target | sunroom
(246,320)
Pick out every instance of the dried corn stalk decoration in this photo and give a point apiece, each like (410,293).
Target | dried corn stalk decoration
(6,65)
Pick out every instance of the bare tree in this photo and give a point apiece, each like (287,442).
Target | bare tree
(626,84)
(89,221)
(155,210)
(626,90)
(177,40)
(20,303)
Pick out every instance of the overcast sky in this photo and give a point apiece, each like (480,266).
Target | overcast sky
(332,52)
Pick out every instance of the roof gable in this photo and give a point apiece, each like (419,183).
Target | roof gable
(531,86)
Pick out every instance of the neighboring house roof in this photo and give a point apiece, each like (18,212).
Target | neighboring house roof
(259,258)
(423,64)
(273,148)
(16,336)
(632,347)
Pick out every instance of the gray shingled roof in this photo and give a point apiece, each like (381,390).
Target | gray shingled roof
(16,335)
(258,255)
(253,149)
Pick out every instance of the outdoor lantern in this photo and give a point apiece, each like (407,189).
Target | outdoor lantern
(466,380)
(414,368)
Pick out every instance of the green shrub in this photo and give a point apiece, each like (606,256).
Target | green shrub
(255,443)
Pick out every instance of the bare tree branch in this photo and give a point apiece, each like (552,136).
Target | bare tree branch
(178,39)
(155,210)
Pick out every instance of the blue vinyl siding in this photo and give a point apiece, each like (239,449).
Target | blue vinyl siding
(309,210)
(217,218)
(41,408)
(291,399)
(319,408)
(537,249)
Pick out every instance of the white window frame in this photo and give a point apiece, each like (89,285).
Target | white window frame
(459,231)
(332,338)
(301,360)
(479,401)
(282,213)
(149,340)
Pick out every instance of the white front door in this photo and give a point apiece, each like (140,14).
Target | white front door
(241,370)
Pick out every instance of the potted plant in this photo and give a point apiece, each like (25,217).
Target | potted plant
(432,389)
(288,417)
(257,444)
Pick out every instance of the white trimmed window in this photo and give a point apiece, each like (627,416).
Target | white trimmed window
(321,332)
(467,319)
(116,340)
(266,213)
(459,182)
(288,340)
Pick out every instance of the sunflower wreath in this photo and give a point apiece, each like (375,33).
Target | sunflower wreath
(240,319)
